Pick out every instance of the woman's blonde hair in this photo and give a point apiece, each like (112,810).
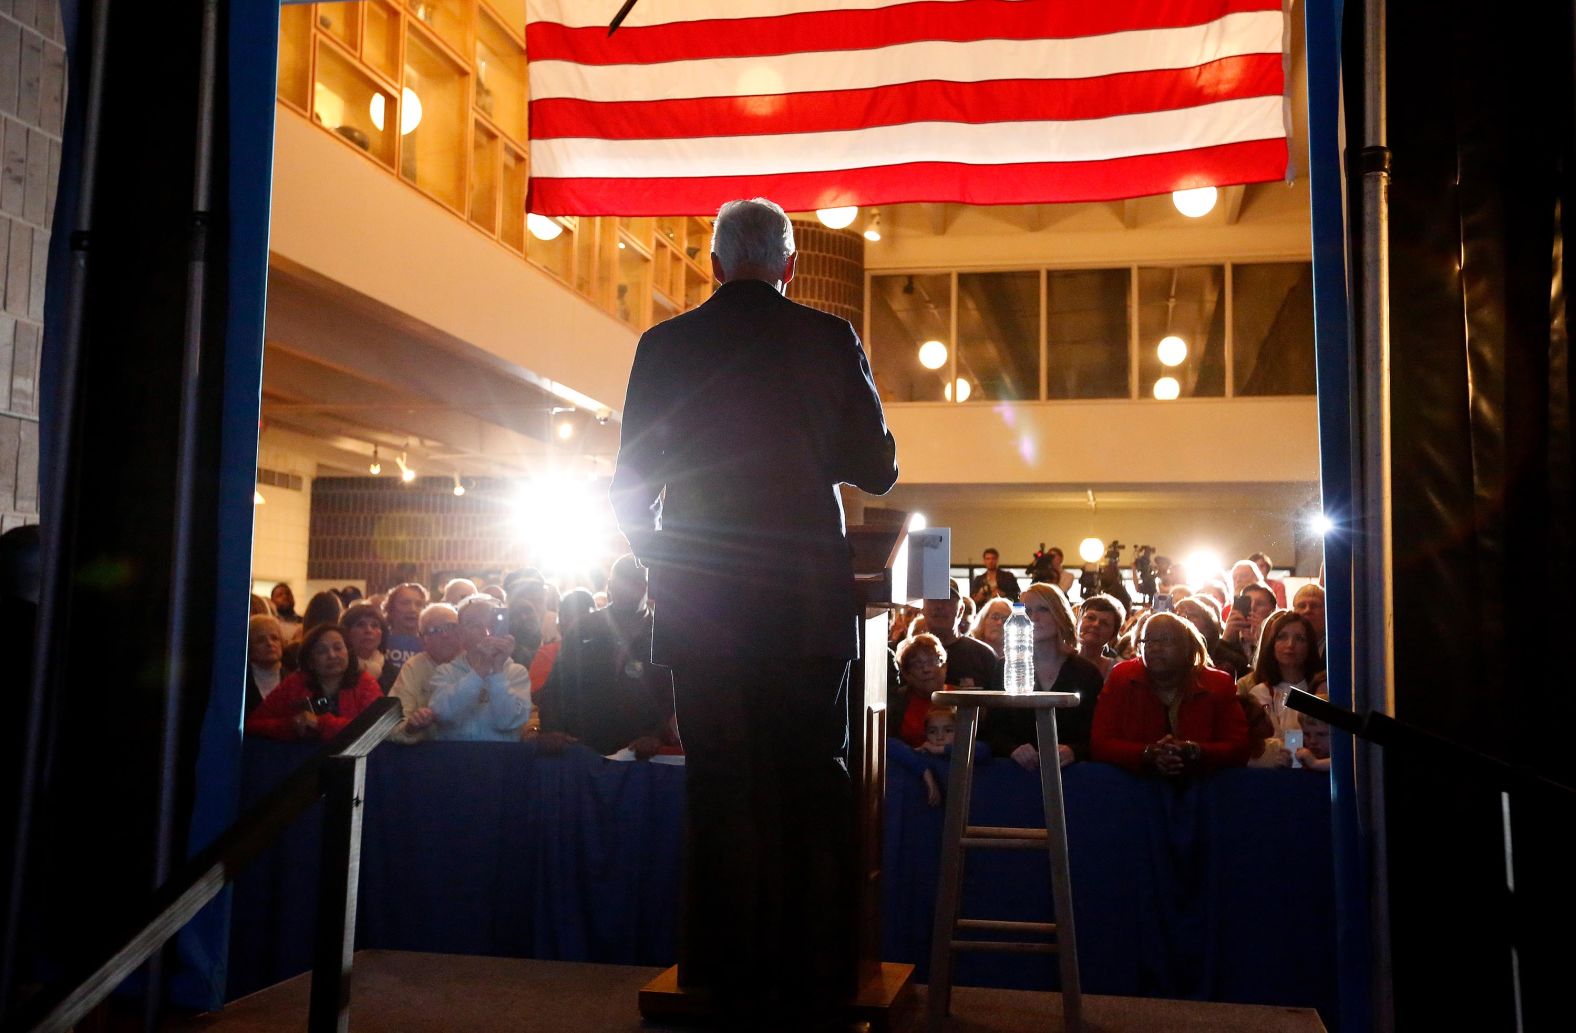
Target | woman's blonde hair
(1056,599)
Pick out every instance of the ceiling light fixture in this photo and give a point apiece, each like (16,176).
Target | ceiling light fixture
(933,355)
(409,115)
(1195,203)
(459,489)
(542,227)
(1172,350)
(873,229)
(406,474)
(1167,389)
(837,218)
(964,390)
(375,467)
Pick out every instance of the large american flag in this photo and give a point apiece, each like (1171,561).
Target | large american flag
(818,104)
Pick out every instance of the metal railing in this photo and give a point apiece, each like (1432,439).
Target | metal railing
(336,775)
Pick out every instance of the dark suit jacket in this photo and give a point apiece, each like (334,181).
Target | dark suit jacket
(741,419)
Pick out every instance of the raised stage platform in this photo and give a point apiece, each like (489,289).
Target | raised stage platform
(402,992)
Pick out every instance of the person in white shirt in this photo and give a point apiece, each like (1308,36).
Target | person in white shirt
(439,628)
(481,695)
(1286,661)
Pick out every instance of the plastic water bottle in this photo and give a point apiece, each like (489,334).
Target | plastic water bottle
(1017,642)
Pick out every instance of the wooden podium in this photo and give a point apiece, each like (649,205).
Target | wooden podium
(879,580)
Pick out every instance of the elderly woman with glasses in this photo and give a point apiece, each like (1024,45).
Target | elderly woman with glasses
(1167,712)
(320,699)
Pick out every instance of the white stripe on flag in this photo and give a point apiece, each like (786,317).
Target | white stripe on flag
(1254,32)
(587,13)
(994,143)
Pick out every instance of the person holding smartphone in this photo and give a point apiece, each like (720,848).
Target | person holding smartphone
(1251,607)
(482,695)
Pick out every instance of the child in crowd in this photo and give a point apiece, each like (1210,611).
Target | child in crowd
(940,730)
(1315,752)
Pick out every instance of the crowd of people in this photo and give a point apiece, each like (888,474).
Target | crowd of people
(1194,680)
(478,663)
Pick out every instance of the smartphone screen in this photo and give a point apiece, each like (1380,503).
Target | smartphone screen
(500,624)
(1293,744)
(1163,603)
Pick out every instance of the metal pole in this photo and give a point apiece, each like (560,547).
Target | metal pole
(343,784)
(54,495)
(1377,685)
(186,471)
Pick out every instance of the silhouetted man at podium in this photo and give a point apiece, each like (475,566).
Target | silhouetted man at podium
(741,419)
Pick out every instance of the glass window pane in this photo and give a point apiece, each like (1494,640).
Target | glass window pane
(513,215)
(484,178)
(999,336)
(557,256)
(347,100)
(633,283)
(586,272)
(450,19)
(500,77)
(1086,319)
(906,312)
(512,12)
(432,153)
(380,47)
(342,21)
(1272,328)
(1189,303)
(295,55)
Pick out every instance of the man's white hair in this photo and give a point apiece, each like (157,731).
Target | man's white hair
(430,614)
(752,236)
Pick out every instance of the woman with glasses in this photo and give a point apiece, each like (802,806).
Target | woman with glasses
(1167,712)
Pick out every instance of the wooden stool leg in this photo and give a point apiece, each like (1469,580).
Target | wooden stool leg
(1061,873)
(960,783)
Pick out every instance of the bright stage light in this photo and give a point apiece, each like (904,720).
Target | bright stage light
(566,430)
(543,228)
(564,521)
(1172,350)
(1195,203)
(1090,550)
(933,355)
(1202,565)
(837,218)
(1321,524)
(1167,389)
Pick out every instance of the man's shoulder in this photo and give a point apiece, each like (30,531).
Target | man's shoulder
(974,649)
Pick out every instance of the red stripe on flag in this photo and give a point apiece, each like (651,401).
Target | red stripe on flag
(1002,100)
(965,21)
(1255,161)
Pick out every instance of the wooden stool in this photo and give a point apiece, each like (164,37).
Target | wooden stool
(958,834)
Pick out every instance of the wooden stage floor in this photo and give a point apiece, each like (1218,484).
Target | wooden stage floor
(398,992)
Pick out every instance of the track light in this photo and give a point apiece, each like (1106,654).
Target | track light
(406,474)
(873,229)
(376,467)
(459,489)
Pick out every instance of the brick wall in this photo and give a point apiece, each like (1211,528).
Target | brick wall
(366,528)
(32,109)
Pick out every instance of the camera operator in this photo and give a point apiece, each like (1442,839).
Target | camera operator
(994,583)
(1110,577)
(1046,568)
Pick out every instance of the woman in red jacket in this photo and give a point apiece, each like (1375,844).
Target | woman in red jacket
(1168,712)
(320,699)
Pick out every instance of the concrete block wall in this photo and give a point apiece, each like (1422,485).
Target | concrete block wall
(32,110)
